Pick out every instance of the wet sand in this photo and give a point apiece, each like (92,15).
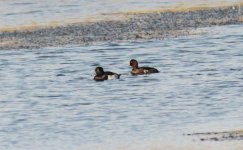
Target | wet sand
(133,26)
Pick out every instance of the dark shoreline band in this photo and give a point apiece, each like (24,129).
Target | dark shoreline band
(140,26)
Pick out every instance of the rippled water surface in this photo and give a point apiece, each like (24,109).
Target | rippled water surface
(49,100)
(19,13)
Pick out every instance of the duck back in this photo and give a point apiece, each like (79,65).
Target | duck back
(150,69)
(144,70)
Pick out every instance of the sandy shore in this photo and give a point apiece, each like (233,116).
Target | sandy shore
(136,26)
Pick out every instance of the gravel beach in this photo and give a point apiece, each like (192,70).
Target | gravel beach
(136,26)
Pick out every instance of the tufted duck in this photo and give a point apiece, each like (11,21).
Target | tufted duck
(141,70)
(102,75)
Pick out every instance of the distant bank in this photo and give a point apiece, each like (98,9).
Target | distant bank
(145,25)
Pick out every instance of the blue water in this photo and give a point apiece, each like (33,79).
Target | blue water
(50,101)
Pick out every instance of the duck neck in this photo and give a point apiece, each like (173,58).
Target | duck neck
(99,73)
(135,66)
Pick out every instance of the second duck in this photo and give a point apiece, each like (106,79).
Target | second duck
(141,70)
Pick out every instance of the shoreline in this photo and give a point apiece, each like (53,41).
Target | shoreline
(136,26)
(232,135)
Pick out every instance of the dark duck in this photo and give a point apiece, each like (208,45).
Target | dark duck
(102,75)
(141,70)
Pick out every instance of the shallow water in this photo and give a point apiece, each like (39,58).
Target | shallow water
(33,13)
(49,100)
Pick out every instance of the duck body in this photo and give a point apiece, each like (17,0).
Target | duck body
(141,70)
(102,75)
(144,70)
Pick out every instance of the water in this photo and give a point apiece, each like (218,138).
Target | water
(24,14)
(49,100)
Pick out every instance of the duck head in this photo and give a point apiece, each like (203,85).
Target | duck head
(99,71)
(134,63)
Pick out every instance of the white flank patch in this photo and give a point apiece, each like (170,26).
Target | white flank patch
(111,77)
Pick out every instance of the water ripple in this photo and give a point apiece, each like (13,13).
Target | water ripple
(49,95)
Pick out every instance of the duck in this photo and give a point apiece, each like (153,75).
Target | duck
(102,75)
(141,70)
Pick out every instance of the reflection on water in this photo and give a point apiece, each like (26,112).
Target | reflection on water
(35,13)
(49,100)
